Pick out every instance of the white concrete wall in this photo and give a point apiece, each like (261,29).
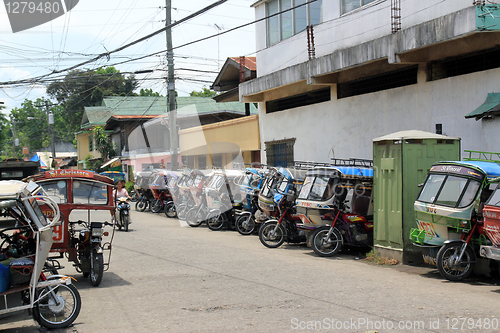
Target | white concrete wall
(338,32)
(349,125)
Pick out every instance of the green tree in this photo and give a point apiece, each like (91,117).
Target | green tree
(103,143)
(32,127)
(149,92)
(79,89)
(204,93)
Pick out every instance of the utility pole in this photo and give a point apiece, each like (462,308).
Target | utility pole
(50,117)
(172,118)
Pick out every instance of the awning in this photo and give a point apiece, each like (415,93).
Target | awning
(109,162)
(490,107)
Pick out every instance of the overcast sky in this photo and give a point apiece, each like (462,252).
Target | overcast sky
(94,27)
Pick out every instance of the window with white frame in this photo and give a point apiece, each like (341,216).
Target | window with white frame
(349,5)
(291,22)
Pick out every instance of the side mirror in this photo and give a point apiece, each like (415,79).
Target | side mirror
(420,185)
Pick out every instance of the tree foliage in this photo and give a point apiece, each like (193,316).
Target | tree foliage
(205,92)
(103,143)
(32,126)
(81,89)
(149,92)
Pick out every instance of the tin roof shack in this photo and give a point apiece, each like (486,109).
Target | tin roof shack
(18,169)
(401,162)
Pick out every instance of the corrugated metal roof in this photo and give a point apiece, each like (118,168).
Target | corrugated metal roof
(141,106)
(490,107)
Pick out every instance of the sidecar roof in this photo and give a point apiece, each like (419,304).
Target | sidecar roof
(10,189)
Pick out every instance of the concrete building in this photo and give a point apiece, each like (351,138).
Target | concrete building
(368,68)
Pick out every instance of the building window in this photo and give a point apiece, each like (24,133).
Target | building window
(291,22)
(312,97)
(465,64)
(217,161)
(202,162)
(394,79)
(280,153)
(349,5)
(91,143)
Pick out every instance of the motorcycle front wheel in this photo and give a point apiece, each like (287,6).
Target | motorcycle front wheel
(170,210)
(194,217)
(141,205)
(325,246)
(58,306)
(97,270)
(182,210)
(245,224)
(270,235)
(156,206)
(448,265)
(125,221)
(216,221)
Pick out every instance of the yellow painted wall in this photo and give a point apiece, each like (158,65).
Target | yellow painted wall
(82,141)
(243,132)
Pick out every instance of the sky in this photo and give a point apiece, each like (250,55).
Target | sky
(95,27)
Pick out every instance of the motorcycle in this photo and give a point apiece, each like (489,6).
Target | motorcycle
(273,233)
(222,196)
(250,184)
(161,194)
(88,256)
(345,229)
(322,207)
(53,300)
(450,227)
(123,211)
(199,211)
(141,186)
(170,209)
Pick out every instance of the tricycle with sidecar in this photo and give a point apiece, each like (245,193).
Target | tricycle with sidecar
(80,240)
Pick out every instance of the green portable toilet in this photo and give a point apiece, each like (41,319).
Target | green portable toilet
(401,162)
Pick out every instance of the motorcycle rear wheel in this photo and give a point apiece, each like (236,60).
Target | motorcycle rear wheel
(271,238)
(324,247)
(59,308)
(98,270)
(170,210)
(245,224)
(156,206)
(447,265)
(141,205)
(194,218)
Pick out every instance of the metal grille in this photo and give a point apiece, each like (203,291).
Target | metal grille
(312,97)
(391,80)
(471,63)
(280,153)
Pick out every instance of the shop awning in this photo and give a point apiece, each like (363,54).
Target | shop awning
(109,162)
(490,107)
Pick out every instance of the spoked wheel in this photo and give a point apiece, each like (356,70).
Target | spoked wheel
(170,210)
(97,270)
(156,206)
(194,217)
(216,221)
(141,205)
(270,235)
(182,211)
(58,306)
(245,224)
(324,245)
(448,264)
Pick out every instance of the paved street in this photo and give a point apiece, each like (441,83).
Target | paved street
(168,278)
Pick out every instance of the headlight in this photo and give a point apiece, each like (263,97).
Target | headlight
(97,232)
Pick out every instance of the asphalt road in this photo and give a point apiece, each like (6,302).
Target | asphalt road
(165,277)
